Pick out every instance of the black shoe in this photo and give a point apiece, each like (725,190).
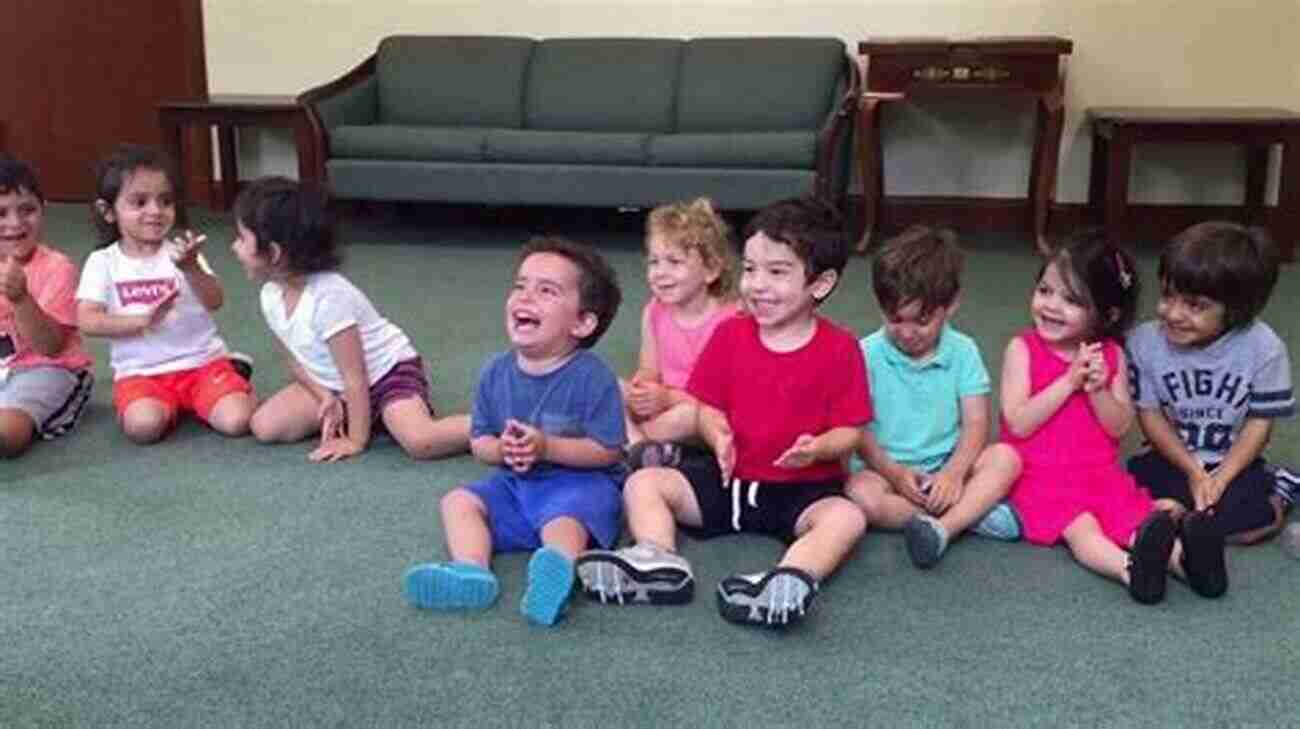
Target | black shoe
(776,599)
(1203,556)
(653,454)
(243,364)
(1148,560)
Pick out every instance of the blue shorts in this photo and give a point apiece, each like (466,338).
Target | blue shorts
(518,507)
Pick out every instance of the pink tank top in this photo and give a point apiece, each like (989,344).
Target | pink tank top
(1073,436)
(679,347)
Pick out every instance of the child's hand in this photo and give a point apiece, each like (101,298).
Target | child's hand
(184,249)
(13,280)
(333,415)
(1078,371)
(1097,372)
(724,450)
(522,445)
(1205,490)
(646,398)
(799,455)
(160,309)
(914,486)
(334,449)
(945,490)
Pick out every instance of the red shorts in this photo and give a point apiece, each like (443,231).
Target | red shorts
(196,390)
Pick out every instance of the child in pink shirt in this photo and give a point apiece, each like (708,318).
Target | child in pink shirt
(691,270)
(45,375)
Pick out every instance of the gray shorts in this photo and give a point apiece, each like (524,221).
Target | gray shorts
(53,397)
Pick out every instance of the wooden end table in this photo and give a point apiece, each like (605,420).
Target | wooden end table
(1116,130)
(904,68)
(227,111)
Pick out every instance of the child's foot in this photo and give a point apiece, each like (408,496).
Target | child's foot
(1001,523)
(653,454)
(926,540)
(1203,556)
(640,574)
(1286,484)
(243,364)
(1148,560)
(776,599)
(550,580)
(450,586)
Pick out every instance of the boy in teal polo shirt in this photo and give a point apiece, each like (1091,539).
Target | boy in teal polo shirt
(929,470)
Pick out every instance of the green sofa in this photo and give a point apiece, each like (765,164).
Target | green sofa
(600,122)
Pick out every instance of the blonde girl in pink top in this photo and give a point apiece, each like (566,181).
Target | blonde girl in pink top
(691,270)
(45,375)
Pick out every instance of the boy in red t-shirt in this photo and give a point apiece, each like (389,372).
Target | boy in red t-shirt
(783,397)
(45,375)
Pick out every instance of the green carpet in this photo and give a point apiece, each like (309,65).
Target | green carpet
(208,582)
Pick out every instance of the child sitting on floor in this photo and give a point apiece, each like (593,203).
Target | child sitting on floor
(691,269)
(549,415)
(932,473)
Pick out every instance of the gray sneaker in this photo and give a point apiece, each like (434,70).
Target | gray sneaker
(1286,483)
(776,599)
(1001,523)
(643,573)
(926,540)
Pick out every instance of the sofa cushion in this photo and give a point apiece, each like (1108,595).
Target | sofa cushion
(383,141)
(578,148)
(450,81)
(757,84)
(778,150)
(602,84)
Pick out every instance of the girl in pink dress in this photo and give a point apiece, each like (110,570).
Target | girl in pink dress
(1065,406)
(691,269)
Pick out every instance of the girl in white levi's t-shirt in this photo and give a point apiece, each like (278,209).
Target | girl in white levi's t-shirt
(351,367)
(152,298)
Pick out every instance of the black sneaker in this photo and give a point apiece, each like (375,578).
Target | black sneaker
(776,599)
(642,574)
(653,454)
(1203,556)
(926,540)
(243,364)
(1148,561)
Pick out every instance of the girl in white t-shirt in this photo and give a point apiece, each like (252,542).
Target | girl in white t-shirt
(153,299)
(351,367)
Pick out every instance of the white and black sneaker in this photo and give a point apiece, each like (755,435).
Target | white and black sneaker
(777,599)
(643,574)
(1286,484)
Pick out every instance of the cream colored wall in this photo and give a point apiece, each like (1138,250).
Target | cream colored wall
(1176,52)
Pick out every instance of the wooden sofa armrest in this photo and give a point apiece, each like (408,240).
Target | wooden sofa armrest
(839,122)
(309,99)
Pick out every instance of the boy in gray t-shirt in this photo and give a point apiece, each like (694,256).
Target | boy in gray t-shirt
(1209,379)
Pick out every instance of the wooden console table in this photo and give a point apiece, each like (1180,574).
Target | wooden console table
(902,68)
(225,112)
(1115,131)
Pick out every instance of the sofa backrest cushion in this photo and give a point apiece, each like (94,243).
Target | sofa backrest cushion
(758,84)
(452,81)
(602,84)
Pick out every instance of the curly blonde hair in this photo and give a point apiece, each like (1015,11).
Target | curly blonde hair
(697,226)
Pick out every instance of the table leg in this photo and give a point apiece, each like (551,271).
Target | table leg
(1287,216)
(1256,182)
(1119,160)
(1043,167)
(870,166)
(229,165)
(304,140)
(170,136)
(1097,176)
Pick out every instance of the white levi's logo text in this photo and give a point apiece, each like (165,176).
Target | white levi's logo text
(145,291)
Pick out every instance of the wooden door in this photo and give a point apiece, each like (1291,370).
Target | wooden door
(80,77)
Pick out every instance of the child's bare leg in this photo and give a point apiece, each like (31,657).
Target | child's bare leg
(17,429)
(675,423)
(412,425)
(655,500)
(989,482)
(465,523)
(231,415)
(828,531)
(288,416)
(879,502)
(146,420)
(567,535)
(1092,548)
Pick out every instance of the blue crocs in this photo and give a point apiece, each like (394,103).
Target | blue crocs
(550,580)
(1001,522)
(450,586)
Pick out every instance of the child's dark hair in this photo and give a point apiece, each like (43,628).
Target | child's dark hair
(1103,276)
(110,178)
(295,216)
(598,290)
(1232,264)
(920,264)
(811,227)
(17,176)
